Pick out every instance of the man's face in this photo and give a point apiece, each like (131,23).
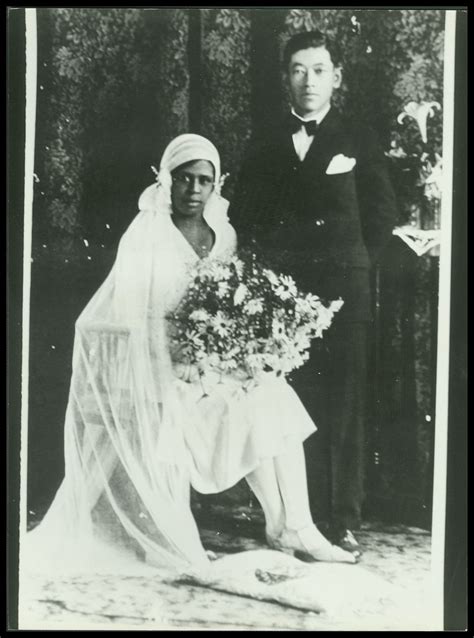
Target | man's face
(312,78)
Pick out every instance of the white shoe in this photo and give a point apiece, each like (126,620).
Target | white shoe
(309,545)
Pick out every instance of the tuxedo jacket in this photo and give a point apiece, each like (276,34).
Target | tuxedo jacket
(325,229)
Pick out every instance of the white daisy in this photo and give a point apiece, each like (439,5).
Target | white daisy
(221,324)
(254,306)
(287,288)
(199,315)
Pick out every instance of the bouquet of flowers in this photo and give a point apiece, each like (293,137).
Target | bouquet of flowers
(240,318)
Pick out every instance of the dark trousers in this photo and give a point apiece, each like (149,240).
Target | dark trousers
(333,387)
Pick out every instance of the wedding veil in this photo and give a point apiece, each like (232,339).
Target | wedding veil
(126,483)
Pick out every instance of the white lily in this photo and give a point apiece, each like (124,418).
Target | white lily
(419,111)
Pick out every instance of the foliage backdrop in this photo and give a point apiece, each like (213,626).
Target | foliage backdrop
(115,85)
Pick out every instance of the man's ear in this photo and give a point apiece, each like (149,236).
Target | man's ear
(337,77)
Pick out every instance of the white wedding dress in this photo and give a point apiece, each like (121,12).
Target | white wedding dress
(136,434)
(230,431)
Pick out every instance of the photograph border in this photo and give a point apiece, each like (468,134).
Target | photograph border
(451,293)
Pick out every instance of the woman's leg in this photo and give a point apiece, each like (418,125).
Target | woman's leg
(281,488)
(263,483)
(300,534)
(290,468)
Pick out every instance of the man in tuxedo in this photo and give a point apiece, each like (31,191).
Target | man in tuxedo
(315,199)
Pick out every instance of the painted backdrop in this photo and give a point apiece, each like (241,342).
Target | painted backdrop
(115,85)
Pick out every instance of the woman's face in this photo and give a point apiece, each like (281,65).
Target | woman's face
(191,187)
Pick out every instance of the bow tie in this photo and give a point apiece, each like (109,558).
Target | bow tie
(311,126)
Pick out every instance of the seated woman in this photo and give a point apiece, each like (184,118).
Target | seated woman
(137,436)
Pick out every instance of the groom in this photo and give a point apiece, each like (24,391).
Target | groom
(316,200)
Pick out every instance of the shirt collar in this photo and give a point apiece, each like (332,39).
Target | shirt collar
(320,117)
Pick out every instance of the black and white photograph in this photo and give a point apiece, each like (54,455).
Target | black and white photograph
(235,299)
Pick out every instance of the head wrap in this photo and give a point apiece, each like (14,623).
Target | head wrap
(188,148)
(183,149)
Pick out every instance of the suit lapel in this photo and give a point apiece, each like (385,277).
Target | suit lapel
(286,145)
(329,140)
(325,145)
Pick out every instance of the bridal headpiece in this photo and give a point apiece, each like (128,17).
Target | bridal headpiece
(183,149)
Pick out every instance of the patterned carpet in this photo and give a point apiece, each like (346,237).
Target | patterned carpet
(395,555)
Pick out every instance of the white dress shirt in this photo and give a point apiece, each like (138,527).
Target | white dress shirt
(301,140)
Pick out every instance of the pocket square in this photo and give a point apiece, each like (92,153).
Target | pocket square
(340,164)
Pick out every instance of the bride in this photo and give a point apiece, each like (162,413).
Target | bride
(137,436)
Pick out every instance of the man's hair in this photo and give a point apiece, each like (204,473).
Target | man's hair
(310,40)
